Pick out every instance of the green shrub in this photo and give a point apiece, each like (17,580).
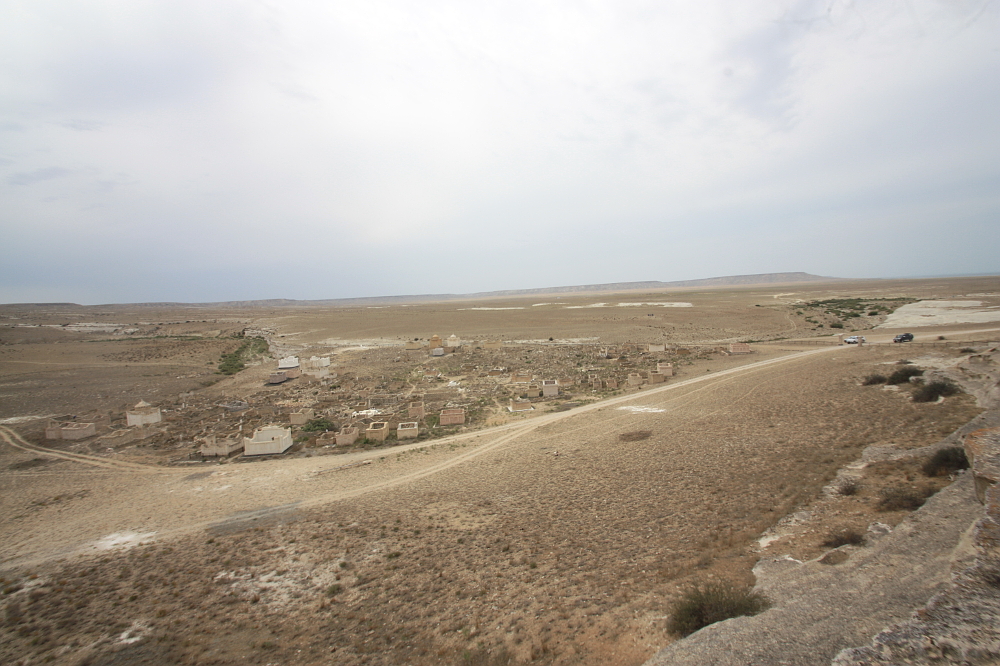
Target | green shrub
(334,589)
(902,375)
(836,324)
(320,424)
(935,390)
(946,461)
(714,602)
(873,379)
(233,362)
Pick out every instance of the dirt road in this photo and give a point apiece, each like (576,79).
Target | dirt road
(556,540)
(128,498)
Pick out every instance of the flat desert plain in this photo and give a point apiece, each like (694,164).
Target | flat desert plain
(556,538)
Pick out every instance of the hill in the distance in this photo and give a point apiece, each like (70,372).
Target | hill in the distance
(615,287)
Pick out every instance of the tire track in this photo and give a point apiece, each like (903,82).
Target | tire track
(516,431)
(12,438)
(495,438)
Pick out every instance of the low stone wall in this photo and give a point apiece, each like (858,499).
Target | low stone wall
(117,438)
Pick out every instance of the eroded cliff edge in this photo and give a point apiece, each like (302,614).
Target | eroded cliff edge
(928,591)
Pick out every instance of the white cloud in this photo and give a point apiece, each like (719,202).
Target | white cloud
(732,137)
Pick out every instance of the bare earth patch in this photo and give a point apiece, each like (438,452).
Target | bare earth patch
(559,538)
(551,559)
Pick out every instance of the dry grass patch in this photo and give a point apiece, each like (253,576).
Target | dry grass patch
(847,536)
(934,390)
(904,374)
(635,436)
(711,603)
(946,461)
(902,498)
(849,487)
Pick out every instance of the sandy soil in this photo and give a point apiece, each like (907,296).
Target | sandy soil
(560,539)
(514,552)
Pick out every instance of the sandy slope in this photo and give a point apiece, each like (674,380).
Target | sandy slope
(169,501)
(492,545)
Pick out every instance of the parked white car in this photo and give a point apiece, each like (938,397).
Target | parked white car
(854,339)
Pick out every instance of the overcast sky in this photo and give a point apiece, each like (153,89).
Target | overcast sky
(192,151)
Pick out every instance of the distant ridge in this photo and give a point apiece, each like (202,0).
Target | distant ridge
(729,281)
(652,285)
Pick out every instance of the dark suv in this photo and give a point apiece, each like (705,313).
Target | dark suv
(903,337)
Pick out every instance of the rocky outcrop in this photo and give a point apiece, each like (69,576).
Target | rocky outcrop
(943,560)
(819,608)
(979,375)
(961,624)
(982,448)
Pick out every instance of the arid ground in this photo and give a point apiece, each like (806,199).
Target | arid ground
(556,539)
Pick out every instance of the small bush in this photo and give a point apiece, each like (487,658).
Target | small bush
(836,324)
(873,379)
(334,589)
(702,606)
(935,390)
(320,424)
(231,364)
(946,461)
(991,575)
(849,487)
(636,436)
(899,498)
(843,537)
(902,375)
(484,657)
(967,350)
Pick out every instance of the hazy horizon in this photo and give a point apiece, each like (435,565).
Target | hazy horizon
(514,293)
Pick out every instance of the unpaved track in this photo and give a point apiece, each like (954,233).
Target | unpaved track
(11,437)
(171,502)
